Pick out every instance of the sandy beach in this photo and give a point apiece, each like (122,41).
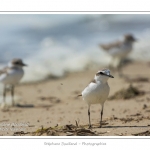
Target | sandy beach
(53,105)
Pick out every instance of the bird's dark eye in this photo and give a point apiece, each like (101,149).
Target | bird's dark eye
(101,73)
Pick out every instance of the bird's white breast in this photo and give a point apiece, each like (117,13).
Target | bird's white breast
(13,76)
(121,51)
(96,93)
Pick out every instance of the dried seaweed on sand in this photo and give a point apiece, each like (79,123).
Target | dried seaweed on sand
(68,130)
(128,93)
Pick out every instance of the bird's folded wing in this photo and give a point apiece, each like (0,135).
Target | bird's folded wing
(4,70)
(111,45)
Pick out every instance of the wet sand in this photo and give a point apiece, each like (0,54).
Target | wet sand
(54,103)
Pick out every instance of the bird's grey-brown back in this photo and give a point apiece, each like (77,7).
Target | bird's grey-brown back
(4,70)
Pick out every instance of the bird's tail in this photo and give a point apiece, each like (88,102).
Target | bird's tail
(78,96)
(104,47)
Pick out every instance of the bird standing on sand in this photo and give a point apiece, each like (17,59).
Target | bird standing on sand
(97,91)
(119,50)
(11,75)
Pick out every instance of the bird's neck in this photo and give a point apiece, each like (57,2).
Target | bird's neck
(128,42)
(101,81)
(15,67)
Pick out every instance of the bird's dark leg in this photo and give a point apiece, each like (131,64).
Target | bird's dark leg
(12,95)
(89,117)
(101,116)
(4,93)
(110,66)
(119,68)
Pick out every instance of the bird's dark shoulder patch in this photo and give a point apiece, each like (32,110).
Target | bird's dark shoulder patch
(93,81)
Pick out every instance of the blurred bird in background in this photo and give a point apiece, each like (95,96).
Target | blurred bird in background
(11,75)
(119,50)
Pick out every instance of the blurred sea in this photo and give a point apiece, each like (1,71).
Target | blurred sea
(52,45)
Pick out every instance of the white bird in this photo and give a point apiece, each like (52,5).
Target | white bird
(11,75)
(97,91)
(119,50)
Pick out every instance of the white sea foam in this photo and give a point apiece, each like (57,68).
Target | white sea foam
(56,59)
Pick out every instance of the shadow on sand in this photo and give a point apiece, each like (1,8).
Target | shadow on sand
(125,126)
(32,106)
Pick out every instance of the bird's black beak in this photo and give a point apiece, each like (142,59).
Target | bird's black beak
(108,75)
(111,76)
(135,40)
(24,64)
